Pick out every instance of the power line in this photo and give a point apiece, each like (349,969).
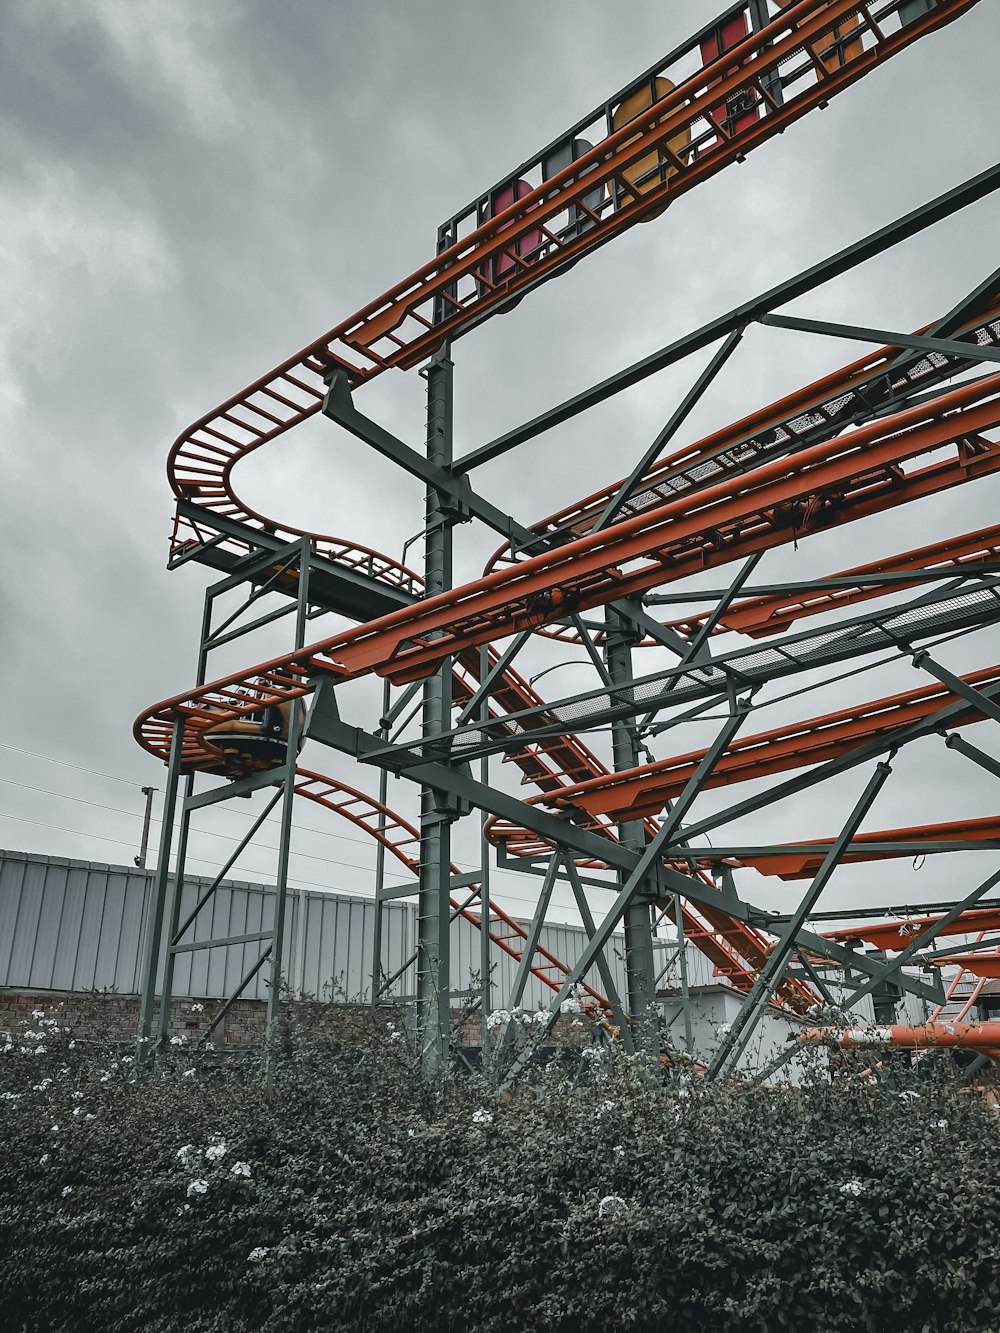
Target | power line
(203,860)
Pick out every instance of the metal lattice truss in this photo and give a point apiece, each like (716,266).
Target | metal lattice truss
(917,417)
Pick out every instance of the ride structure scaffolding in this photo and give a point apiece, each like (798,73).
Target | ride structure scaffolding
(917,417)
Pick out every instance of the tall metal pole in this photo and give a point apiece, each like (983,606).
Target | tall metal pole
(279,961)
(383,796)
(640,964)
(140,860)
(433,910)
(154,925)
(485,979)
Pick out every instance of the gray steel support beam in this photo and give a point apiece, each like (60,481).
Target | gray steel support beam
(436,813)
(924,662)
(882,337)
(534,931)
(154,923)
(677,419)
(485,961)
(735,1041)
(640,965)
(603,967)
(326,727)
(454,492)
(985,761)
(644,866)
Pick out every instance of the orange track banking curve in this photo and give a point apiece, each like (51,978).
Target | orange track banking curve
(883,464)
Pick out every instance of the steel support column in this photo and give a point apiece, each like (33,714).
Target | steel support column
(433,910)
(154,919)
(640,965)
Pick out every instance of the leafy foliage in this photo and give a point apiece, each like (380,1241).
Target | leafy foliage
(357,1194)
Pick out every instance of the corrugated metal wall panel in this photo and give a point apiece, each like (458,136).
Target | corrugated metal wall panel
(73,925)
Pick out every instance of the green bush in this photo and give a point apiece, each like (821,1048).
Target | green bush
(355,1194)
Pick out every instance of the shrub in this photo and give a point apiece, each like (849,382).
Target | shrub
(357,1194)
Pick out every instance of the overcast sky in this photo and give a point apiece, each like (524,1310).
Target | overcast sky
(192,191)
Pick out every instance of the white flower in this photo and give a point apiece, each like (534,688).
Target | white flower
(189,1156)
(604,1107)
(939,1124)
(127,1059)
(88,1116)
(570,1007)
(908,1096)
(33,1036)
(541,1016)
(77,1096)
(16,1096)
(410,1133)
(55,1129)
(240,1169)
(72,1046)
(197,1008)
(78,1110)
(258,1253)
(67,1190)
(198,1187)
(525,1019)
(40,1087)
(8,1047)
(38,1013)
(106,1076)
(618,1150)
(43,1159)
(611,1205)
(188,1073)
(497,1018)
(216,1149)
(482,1118)
(724,1029)
(593,1053)
(40,1050)
(853,1187)
(177,1041)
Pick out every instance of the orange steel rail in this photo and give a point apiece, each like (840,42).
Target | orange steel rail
(700,464)
(803,862)
(761,616)
(985,965)
(976,1036)
(638,792)
(453,292)
(867,471)
(896,935)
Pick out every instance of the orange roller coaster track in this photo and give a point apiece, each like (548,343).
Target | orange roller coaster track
(913,419)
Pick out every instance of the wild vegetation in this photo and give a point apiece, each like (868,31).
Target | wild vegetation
(357,1194)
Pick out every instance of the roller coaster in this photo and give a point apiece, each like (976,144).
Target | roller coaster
(916,417)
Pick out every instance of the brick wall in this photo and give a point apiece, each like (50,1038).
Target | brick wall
(110,1016)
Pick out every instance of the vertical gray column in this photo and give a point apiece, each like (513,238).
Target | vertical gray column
(639,961)
(433,909)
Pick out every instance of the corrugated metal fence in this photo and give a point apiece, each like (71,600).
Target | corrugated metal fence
(80,925)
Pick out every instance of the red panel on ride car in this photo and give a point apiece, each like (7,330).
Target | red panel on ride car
(740,112)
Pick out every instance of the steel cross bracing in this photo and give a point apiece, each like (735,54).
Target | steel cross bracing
(875,435)
(874,386)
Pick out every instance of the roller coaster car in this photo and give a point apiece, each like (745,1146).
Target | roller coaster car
(251,744)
